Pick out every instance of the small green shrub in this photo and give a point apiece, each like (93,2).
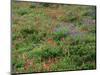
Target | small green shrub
(33,5)
(52,52)
(77,60)
(60,32)
(45,4)
(70,17)
(88,66)
(45,52)
(89,56)
(23,11)
(64,64)
(35,53)
(20,63)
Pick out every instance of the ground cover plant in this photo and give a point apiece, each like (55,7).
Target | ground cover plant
(53,37)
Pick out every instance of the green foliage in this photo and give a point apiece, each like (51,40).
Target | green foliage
(64,64)
(68,18)
(52,52)
(23,11)
(45,4)
(60,32)
(88,66)
(20,64)
(45,52)
(33,5)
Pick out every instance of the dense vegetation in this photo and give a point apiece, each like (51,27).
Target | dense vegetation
(52,37)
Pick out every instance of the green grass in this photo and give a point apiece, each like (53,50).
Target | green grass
(40,39)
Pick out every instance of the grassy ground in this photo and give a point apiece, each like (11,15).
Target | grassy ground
(50,37)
